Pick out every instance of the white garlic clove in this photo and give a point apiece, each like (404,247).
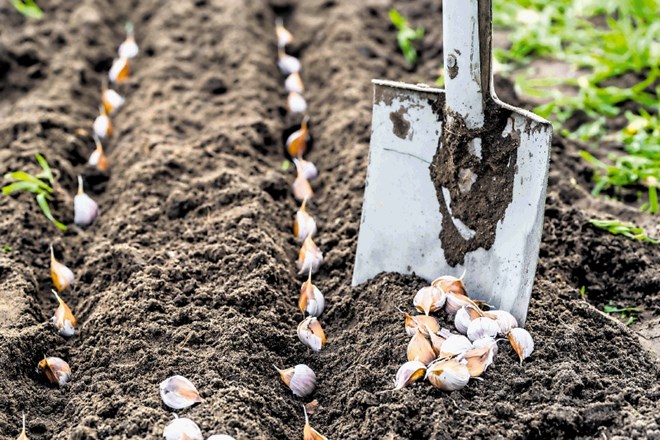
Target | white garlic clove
(221,437)
(63,319)
(98,158)
(300,379)
(311,299)
(486,342)
(102,125)
(304,224)
(301,188)
(505,320)
(128,48)
(450,284)
(61,275)
(420,349)
(56,370)
(288,64)
(455,344)
(310,257)
(294,83)
(120,70)
(481,328)
(409,373)
(522,342)
(85,209)
(182,429)
(311,333)
(284,37)
(296,103)
(112,101)
(308,169)
(429,299)
(462,320)
(178,392)
(448,374)
(296,143)
(455,301)
(478,360)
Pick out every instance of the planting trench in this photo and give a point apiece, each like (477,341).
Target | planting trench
(190,267)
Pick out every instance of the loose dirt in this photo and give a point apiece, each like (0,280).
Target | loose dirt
(190,267)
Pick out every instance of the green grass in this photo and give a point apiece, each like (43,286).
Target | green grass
(406,36)
(601,41)
(629,230)
(629,314)
(28,8)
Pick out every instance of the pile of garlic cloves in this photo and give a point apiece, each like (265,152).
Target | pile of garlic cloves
(449,360)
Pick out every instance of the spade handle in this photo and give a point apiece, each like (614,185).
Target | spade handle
(467,35)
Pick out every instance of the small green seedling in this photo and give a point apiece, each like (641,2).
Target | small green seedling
(618,227)
(6,249)
(37,185)
(406,35)
(629,314)
(583,292)
(28,8)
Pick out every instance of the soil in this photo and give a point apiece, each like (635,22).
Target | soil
(190,267)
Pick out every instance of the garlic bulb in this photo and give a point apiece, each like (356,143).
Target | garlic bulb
(296,103)
(311,299)
(98,158)
(482,328)
(178,392)
(294,83)
(85,209)
(429,299)
(522,342)
(102,125)
(505,320)
(296,143)
(310,257)
(450,284)
(455,344)
(111,100)
(23,435)
(60,274)
(182,429)
(300,379)
(63,319)
(56,370)
(409,373)
(304,224)
(448,374)
(287,63)
(420,349)
(311,333)
(284,37)
(120,70)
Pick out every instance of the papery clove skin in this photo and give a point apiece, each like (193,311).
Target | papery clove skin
(448,374)
(450,284)
(310,257)
(98,158)
(455,344)
(56,370)
(423,322)
(420,349)
(23,435)
(311,299)
(63,319)
(522,342)
(294,83)
(429,299)
(119,71)
(311,333)
(102,125)
(85,209)
(409,373)
(455,301)
(182,429)
(310,433)
(284,37)
(296,143)
(478,359)
(436,341)
(178,392)
(482,327)
(300,379)
(111,100)
(61,275)
(296,103)
(288,64)
(505,320)
(304,224)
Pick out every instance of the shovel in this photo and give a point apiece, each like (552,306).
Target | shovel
(456,178)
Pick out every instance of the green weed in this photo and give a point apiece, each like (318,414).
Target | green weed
(406,36)
(28,8)
(629,314)
(629,230)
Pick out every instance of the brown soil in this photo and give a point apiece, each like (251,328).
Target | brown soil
(189,269)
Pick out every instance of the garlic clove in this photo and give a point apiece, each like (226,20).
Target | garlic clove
(182,429)
(448,374)
(102,125)
(522,342)
(296,103)
(481,328)
(304,224)
(311,299)
(310,433)
(128,48)
(120,70)
(436,341)
(487,342)
(455,301)
(409,373)
(111,100)
(56,370)
(450,284)
(61,275)
(310,257)
(296,143)
(462,320)
(63,318)
(311,333)
(308,169)
(23,435)
(284,37)
(300,379)
(178,392)
(455,344)
(98,158)
(302,190)
(288,64)
(221,437)
(505,320)
(478,359)
(429,299)
(294,83)
(85,209)
(420,349)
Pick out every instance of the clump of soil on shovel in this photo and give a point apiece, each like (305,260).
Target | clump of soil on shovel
(189,268)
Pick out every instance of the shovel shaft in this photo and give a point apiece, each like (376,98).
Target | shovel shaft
(467,35)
